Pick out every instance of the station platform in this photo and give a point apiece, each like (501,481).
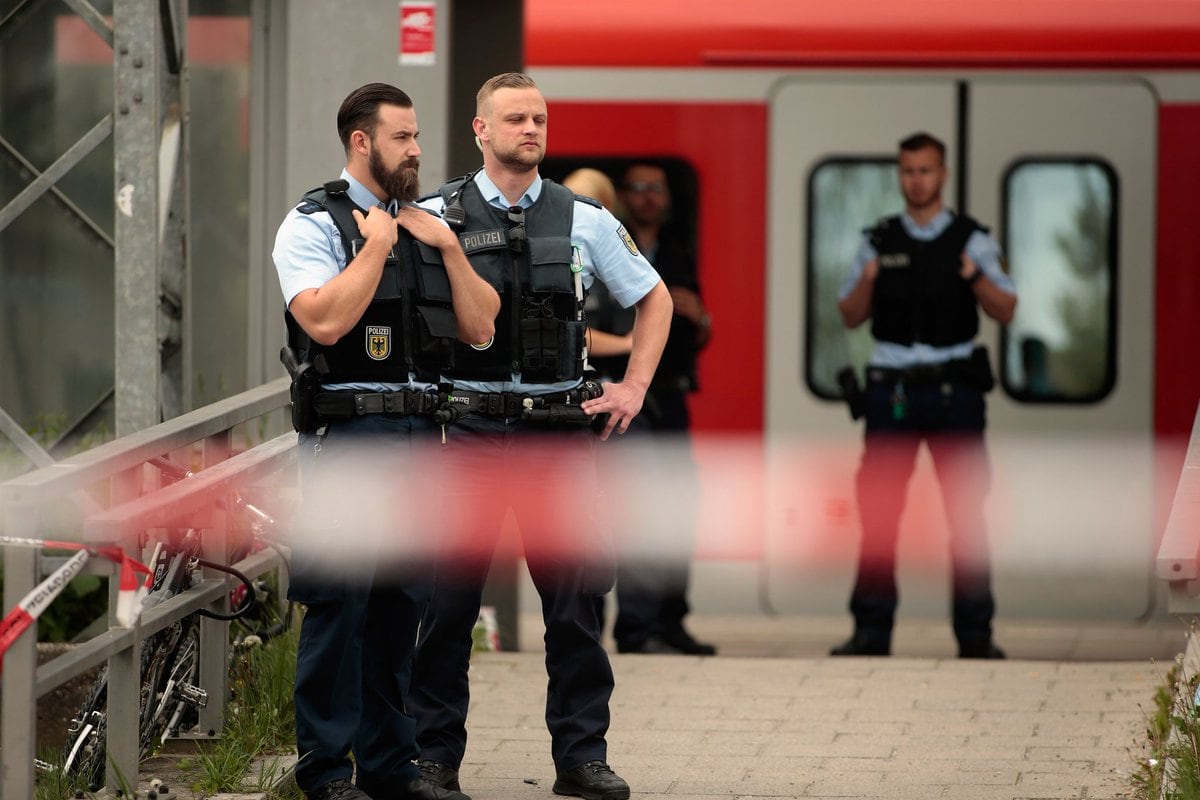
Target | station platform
(772,715)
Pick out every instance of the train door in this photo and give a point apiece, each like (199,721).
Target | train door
(1062,170)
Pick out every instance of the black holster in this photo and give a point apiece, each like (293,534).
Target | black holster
(852,392)
(306,382)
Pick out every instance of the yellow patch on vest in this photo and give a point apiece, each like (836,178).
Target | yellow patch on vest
(379,342)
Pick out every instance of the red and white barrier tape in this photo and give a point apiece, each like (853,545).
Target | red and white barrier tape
(33,604)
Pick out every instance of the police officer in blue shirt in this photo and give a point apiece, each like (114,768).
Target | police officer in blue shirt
(921,277)
(527,440)
(354,320)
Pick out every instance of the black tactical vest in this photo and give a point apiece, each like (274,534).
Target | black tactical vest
(526,257)
(409,325)
(919,295)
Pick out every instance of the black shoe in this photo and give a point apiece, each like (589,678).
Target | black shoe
(341,789)
(421,789)
(594,780)
(984,650)
(683,641)
(439,774)
(651,645)
(862,646)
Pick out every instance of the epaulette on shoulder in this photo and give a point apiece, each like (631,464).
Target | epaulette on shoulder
(591,201)
(309,207)
(429,196)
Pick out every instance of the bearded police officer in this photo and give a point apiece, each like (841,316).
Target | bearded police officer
(921,277)
(527,442)
(366,342)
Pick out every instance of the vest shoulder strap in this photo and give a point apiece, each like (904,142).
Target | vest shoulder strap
(877,234)
(339,206)
(451,187)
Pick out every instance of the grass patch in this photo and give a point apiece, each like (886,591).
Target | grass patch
(259,730)
(260,721)
(1168,762)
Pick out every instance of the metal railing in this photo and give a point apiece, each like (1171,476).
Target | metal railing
(116,511)
(1178,561)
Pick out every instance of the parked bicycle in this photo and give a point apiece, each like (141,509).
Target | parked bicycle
(170,698)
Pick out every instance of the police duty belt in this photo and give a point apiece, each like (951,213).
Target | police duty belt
(330,404)
(511,405)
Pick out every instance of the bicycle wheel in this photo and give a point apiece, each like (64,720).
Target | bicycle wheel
(168,699)
(170,672)
(83,753)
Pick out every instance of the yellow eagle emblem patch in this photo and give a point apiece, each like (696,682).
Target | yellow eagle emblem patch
(379,342)
(627,239)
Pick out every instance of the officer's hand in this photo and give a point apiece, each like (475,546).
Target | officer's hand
(425,227)
(871,269)
(621,401)
(376,224)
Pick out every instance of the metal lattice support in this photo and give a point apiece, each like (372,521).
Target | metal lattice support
(149,129)
(151,252)
(148,126)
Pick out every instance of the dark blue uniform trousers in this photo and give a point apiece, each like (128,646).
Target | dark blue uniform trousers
(950,419)
(548,479)
(359,630)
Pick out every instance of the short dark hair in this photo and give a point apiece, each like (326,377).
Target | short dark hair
(360,109)
(644,162)
(921,140)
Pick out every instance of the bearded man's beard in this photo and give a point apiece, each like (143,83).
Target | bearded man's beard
(402,183)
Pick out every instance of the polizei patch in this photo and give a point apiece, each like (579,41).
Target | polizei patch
(379,341)
(627,239)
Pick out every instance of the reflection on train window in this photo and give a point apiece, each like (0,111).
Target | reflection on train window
(844,196)
(1060,240)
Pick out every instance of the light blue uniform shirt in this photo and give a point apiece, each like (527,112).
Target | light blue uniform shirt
(980,247)
(309,253)
(603,249)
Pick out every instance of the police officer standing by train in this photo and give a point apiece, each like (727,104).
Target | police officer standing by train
(921,278)
(366,342)
(528,436)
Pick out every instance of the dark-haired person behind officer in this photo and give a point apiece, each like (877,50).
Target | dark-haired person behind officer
(371,341)
(541,246)
(921,277)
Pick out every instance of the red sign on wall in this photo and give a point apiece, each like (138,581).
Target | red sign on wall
(417,32)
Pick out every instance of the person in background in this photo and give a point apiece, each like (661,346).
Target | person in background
(653,566)
(921,278)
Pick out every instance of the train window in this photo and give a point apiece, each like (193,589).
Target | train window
(1060,241)
(845,195)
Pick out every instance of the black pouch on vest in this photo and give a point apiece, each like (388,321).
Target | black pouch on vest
(432,281)
(551,350)
(550,265)
(539,350)
(571,339)
(433,342)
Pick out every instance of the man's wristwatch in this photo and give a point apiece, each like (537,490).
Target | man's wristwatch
(974,276)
